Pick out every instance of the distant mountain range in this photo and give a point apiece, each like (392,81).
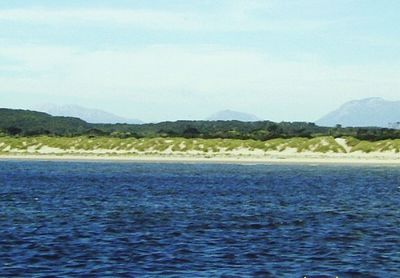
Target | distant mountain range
(367,112)
(87,114)
(229,115)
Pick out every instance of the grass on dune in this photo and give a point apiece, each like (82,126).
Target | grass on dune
(323,144)
(378,146)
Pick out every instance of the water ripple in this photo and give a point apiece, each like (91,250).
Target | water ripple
(111,219)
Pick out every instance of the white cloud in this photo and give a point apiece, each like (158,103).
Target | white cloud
(198,78)
(233,17)
(140,18)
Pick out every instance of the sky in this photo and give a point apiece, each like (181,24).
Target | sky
(292,60)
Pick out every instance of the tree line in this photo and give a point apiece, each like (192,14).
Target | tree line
(30,123)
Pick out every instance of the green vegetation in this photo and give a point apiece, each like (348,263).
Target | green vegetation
(31,132)
(31,123)
(158,145)
(367,147)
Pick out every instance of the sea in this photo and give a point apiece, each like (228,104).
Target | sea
(125,219)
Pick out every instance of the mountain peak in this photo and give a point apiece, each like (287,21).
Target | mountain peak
(89,115)
(230,115)
(373,111)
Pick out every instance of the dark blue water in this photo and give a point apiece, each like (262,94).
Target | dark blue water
(127,219)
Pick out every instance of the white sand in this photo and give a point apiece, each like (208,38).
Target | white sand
(235,157)
(342,142)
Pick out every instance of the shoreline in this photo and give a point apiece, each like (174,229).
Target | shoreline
(318,150)
(284,159)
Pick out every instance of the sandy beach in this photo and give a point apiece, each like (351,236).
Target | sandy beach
(298,158)
(306,151)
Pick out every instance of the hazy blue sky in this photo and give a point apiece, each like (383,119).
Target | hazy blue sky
(166,60)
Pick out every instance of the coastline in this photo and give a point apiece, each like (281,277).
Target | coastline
(319,150)
(300,158)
